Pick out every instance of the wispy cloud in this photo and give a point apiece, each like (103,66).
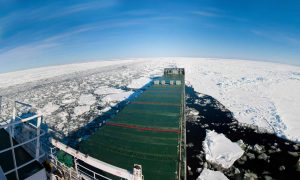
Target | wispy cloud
(46,12)
(22,15)
(214,13)
(108,24)
(26,51)
(33,49)
(277,36)
(1,33)
(144,12)
(206,13)
(89,6)
(83,7)
(19,18)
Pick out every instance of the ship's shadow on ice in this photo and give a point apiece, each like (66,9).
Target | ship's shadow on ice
(266,155)
(74,138)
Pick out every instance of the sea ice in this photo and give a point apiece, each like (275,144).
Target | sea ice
(139,83)
(104,90)
(86,99)
(262,94)
(113,98)
(49,108)
(211,175)
(24,76)
(220,150)
(79,110)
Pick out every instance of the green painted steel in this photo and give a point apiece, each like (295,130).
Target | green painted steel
(131,137)
(65,158)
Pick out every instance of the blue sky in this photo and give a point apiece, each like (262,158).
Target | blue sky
(40,33)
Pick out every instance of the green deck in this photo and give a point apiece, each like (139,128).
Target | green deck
(159,108)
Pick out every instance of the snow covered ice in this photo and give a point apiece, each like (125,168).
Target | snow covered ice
(211,175)
(107,90)
(139,83)
(257,93)
(70,96)
(20,77)
(86,99)
(220,150)
(49,108)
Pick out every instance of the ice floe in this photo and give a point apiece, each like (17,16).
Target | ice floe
(211,175)
(79,110)
(220,150)
(86,99)
(49,108)
(139,83)
(104,90)
(257,93)
(113,98)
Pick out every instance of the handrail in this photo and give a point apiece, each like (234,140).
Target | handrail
(11,125)
(93,161)
(28,141)
(94,173)
(21,121)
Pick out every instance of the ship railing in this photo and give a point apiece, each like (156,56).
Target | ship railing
(66,172)
(75,172)
(93,162)
(37,154)
(95,174)
(10,125)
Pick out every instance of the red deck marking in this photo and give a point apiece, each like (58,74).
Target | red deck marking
(141,128)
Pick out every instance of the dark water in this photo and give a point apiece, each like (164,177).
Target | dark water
(274,158)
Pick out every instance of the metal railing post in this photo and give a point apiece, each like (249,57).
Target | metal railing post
(38,131)
(13,154)
(0,105)
(13,120)
(12,134)
(184,121)
(76,167)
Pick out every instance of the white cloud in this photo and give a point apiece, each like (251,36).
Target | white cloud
(46,12)
(25,51)
(1,32)
(277,36)
(33,49)
(206,13)
(215,13)
(83,7)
